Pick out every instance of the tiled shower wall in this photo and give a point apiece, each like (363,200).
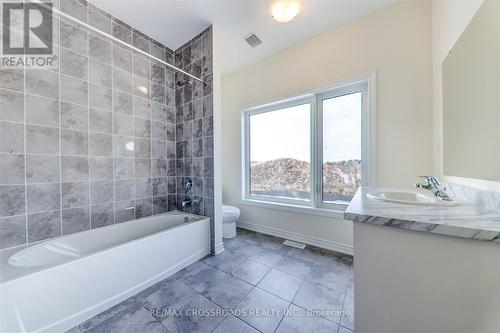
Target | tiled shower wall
(194,126)
(91,142)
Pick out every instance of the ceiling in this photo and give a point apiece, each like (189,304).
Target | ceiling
(175,22)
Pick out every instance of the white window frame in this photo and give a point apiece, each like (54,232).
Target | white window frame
(315,206)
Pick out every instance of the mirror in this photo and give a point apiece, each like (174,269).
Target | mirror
(471,99)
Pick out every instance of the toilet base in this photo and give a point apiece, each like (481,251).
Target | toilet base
(229,229)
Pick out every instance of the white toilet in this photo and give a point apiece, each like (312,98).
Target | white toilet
(230,215)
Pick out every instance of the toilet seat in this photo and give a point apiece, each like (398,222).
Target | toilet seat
(230,215)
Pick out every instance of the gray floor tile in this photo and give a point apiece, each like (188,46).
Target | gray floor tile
(266,257)
(314,297)
(233,324)
(192,321)
(131,320)
(294,266)
(344,330)
(246,270)
(169,294)
(281,284)
(221,288)
(105,315)
(333,279)
(348,319)
(329,261)
(262,310)
(299,320)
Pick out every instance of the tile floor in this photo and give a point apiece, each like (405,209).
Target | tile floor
(256,285)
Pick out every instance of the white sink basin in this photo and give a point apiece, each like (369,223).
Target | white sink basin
(410,198)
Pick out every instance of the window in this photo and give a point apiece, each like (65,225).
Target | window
(311,151)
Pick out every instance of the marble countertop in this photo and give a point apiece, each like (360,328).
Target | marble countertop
(476,217)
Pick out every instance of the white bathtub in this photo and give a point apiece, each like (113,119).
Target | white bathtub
(57,284)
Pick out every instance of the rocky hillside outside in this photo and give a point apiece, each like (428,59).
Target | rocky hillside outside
(290,178)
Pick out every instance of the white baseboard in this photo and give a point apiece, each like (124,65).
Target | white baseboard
(318,242)
(219,248)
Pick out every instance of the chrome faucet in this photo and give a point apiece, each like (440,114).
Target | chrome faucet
(186,203)
(431,183)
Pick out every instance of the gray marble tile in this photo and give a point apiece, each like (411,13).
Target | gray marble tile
(124,168)
(75,8)
(124,190)
(143,188)
(157,73)
(294,266)
(131,320)
(208,167)
(298,320)
(141,66)
(281,284)
(304,254)
(74,168)
(246,270)
(123,124)
(102,215)
(74,90)
(122,58)
(159,130)
(122,81)
(42,82)
(122,31)
(74,116)
(101,144)
(99,49)
(42,111)
(75,220)
(197,128)
(42,140)
(344,330)
(44,225)
(12,79)
(158,149)
(100,97)
(233,324)
(99,21)
(12,231)
(159,167)
(312,296)
(260,301)
(124,211)
(12,200)
(101,192)
(124,146)
(73,38)
(142,148)
(73,64)
(207,126)
(142,107)
(122,102)
(11,137)
(207,106)
(142,168)
(141,87)
(158,93)
(217,286)
(208,146)
(140,41)
(11,169)
(100,73)
(143,208)
(101,121)
(74,142)
(157,51)
(348,320)
(101,168)
(329,261)
(42,168)
(142,127)
(11,106)
(159,186)
(334,279)
(107,314)
(75,194)
(43,197)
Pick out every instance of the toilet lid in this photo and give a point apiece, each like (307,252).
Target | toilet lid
(230,209)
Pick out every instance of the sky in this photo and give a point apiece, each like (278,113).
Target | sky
(285,133)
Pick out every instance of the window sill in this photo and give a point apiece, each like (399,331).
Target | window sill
(337,214)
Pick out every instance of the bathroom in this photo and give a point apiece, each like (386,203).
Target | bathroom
(255,166)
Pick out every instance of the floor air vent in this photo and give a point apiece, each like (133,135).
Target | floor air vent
(294,244)
(253,40)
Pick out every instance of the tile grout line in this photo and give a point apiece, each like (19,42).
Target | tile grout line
(88,117)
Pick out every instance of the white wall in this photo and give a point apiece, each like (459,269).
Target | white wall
(449,20)
(396,43)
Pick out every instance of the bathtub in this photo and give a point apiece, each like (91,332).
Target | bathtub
(54,285)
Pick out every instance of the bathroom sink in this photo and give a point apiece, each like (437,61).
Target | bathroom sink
(410,198)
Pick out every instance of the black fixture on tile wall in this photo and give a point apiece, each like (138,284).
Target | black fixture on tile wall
(92,141)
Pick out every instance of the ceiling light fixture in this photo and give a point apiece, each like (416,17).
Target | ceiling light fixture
(285,10)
